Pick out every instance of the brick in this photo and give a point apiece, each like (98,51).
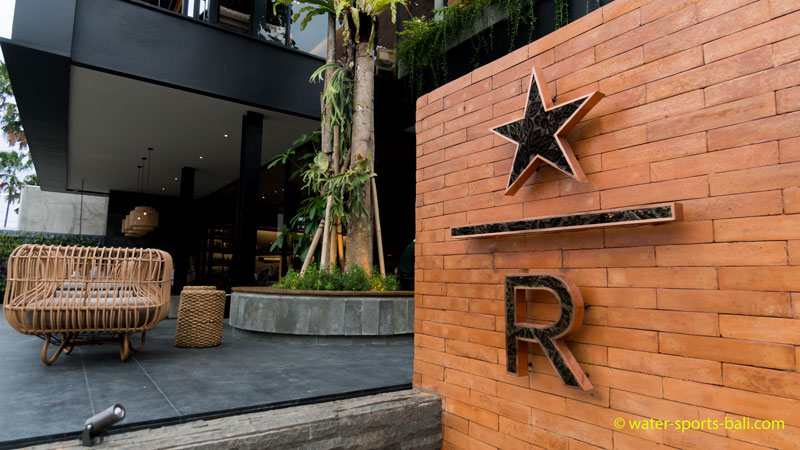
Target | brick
(649,407)
(616,337)
(428,262)
(755,179)
(422,101)
(494,438)
(609,179)
(731,206)
(444,331)
(674,321)
(786,438)
(711,74)
(525,396)
(663,191)
(769,129)
(499,65)
(734,254)
(429,134)
(722,25)
(423,212)
(493,184)
(449,88)
(457,423)
(472,413)
(646,33)
(431,342)
(670,233)
(614,10)
(627,442)
(786,51)
(562,205)
(610,141)
(569,65)
(612,257)
(660,8)
(462,95)
(693,439)
(604,417)
(468,148)
(754,84)
(429,185)
(626,297)
(617,102)
(489,338)
(429,109)
(442,142)
(458,440)
(564,241)
(712,8)
(720,161)
(789,99)
(646,73)
(440,302)
(769,228)
(504,409)
(733,400)
(498,153)
(652,112)
(471,290)
(719,116)
(762,354)
(444,248)
(655,151)
(468,120)
(554,385)
(467,261)
(766,33)
(429,370)
(533,434)
(572,428)
(429,288)
(727,302)
(780,7)
(625,380)
(769,329)
(791,200)
(664,277)
(682,367)
(424,237)
(602,33)
(469,203)
(601,70)
(528,260)
(500,213)
(765,381)
(443,168)
(794,256)
(480,384)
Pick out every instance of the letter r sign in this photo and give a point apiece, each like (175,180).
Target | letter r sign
(519,332)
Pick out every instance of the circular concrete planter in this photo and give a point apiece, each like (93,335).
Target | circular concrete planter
(322,317)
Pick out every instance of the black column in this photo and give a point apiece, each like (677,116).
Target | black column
(246,225)
(186,229)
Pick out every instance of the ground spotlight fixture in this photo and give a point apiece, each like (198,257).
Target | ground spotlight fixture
(99,423)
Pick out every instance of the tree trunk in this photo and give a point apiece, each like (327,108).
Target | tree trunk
(330,56)
(359,232)
(8,206)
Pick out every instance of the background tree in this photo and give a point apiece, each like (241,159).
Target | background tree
(9,114)
(12,164)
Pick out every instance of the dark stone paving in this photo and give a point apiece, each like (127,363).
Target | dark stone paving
(163,382)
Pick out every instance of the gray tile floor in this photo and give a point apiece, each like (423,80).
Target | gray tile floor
(163,382)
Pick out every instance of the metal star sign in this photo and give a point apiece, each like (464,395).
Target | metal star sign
(541,135)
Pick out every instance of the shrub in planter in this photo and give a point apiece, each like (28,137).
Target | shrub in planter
(355,279)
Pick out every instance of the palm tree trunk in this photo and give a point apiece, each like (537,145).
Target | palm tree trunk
(359,232)
(8,206)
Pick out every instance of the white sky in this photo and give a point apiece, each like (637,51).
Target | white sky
(6,20)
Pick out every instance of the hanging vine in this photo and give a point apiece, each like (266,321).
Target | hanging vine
(423,44)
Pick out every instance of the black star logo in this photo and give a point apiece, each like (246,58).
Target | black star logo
(541,135)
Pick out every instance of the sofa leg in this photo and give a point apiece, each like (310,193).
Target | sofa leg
(61,348)
(136,349)
(125,347)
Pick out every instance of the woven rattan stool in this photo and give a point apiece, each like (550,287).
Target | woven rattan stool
(200,314)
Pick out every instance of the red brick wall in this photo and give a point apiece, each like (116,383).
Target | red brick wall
(690,320)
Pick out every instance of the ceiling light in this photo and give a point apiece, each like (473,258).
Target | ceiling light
(225,135)
(163,188)
(263,196)
(176,178)
(201,157)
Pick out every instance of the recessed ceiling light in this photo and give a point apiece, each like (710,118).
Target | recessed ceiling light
(225,135)
(201,157)
(275,192)
(176,178)
(163,188)
(263,196)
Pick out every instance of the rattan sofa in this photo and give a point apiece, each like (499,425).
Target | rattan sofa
(86,295)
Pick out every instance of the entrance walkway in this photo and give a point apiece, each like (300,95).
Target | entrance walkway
(167,384)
